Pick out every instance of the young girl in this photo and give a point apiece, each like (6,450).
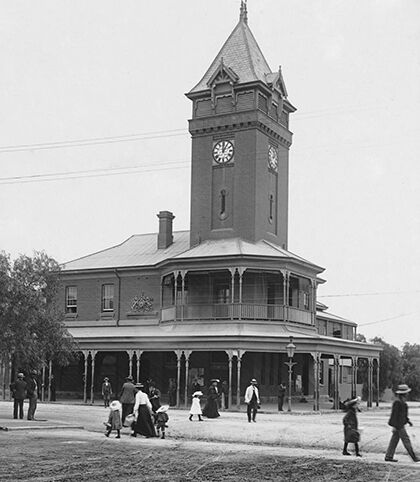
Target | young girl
(351,432)
(195,406)
(161,417)
(114,419)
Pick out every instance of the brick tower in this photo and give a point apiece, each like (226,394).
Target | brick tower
(240,145)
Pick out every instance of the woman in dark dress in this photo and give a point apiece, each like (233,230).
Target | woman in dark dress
(211,408)
(351,432)
(142,411)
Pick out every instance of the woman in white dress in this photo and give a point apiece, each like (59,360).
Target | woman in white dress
(195,406)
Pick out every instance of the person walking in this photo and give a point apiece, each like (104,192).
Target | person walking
(351,432)
(252,399)
(195,406)
(127,397)
(18,392)
(161,419)
(106,391)
(280,396)
(399,418)
(32,391)
(143,413)
(211,408)
(114,419)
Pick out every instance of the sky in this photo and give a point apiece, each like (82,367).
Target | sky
(94,140)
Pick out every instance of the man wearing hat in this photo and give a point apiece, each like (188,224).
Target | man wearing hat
(127,397)
(18,392)
(252,399)
(399,417)
(106,391)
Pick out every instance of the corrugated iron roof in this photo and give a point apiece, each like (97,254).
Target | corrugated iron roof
(138,250)
(141,250)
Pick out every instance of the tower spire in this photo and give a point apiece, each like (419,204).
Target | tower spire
(243,16)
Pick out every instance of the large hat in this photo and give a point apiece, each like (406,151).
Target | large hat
(215,380)
(139,385)
(163,408)
(115,405)
(353,401)
(253,380)
(106,379)
(20,375)
(197,394)
(129,379)
(402,389)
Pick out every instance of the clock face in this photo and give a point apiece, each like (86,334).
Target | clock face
(223,152)
(273,158)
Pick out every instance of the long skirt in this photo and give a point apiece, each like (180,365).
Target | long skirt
(210,410)
(144,424)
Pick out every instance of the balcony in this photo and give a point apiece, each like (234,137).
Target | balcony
(236,311)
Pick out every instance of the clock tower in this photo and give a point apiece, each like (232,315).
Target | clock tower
(240,145)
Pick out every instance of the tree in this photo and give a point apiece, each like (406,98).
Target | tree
(31,330)
(389,364)
(411,368)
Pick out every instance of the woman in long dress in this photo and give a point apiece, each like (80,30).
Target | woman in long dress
(211,408)
(142,411)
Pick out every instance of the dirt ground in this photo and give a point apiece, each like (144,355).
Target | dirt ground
(83,456)
(279,447)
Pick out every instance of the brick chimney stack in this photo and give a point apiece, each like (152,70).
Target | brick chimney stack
(165,237)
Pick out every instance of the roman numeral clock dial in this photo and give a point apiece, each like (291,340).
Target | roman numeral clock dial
(223,152)
(273,160)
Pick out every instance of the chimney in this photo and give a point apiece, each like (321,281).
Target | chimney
(165,238)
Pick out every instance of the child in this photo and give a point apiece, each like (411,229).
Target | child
(195,406)
(114,419)
(161,417)
(351,433)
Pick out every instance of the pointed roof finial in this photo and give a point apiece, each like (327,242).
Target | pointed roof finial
(243,16)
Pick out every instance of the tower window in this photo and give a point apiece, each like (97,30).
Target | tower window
(223,204)
(270,217)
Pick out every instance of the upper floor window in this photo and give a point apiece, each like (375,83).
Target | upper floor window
(107,297)
(71,299)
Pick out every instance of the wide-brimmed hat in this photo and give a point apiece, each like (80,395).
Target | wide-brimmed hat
(20,375)
(163,408)
(139,385)
(115,405)
(253,380)
(197,394)
(215,380)
(106,379)
(353,401)
(129,379)
(402,389)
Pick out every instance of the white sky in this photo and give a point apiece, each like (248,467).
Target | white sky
(81,70)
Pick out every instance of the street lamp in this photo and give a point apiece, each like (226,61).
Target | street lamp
(290,348)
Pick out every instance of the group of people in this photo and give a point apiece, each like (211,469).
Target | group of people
(22,388)
(137,406)
(398,420)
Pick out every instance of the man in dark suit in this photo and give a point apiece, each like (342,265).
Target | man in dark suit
(18,391)
(32,390)
(127,397)
(399,418)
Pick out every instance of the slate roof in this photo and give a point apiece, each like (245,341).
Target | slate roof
(242,54)
(141,250)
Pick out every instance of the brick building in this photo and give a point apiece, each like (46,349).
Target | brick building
(223,299)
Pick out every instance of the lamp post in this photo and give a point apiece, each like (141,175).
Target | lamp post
(290,348)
